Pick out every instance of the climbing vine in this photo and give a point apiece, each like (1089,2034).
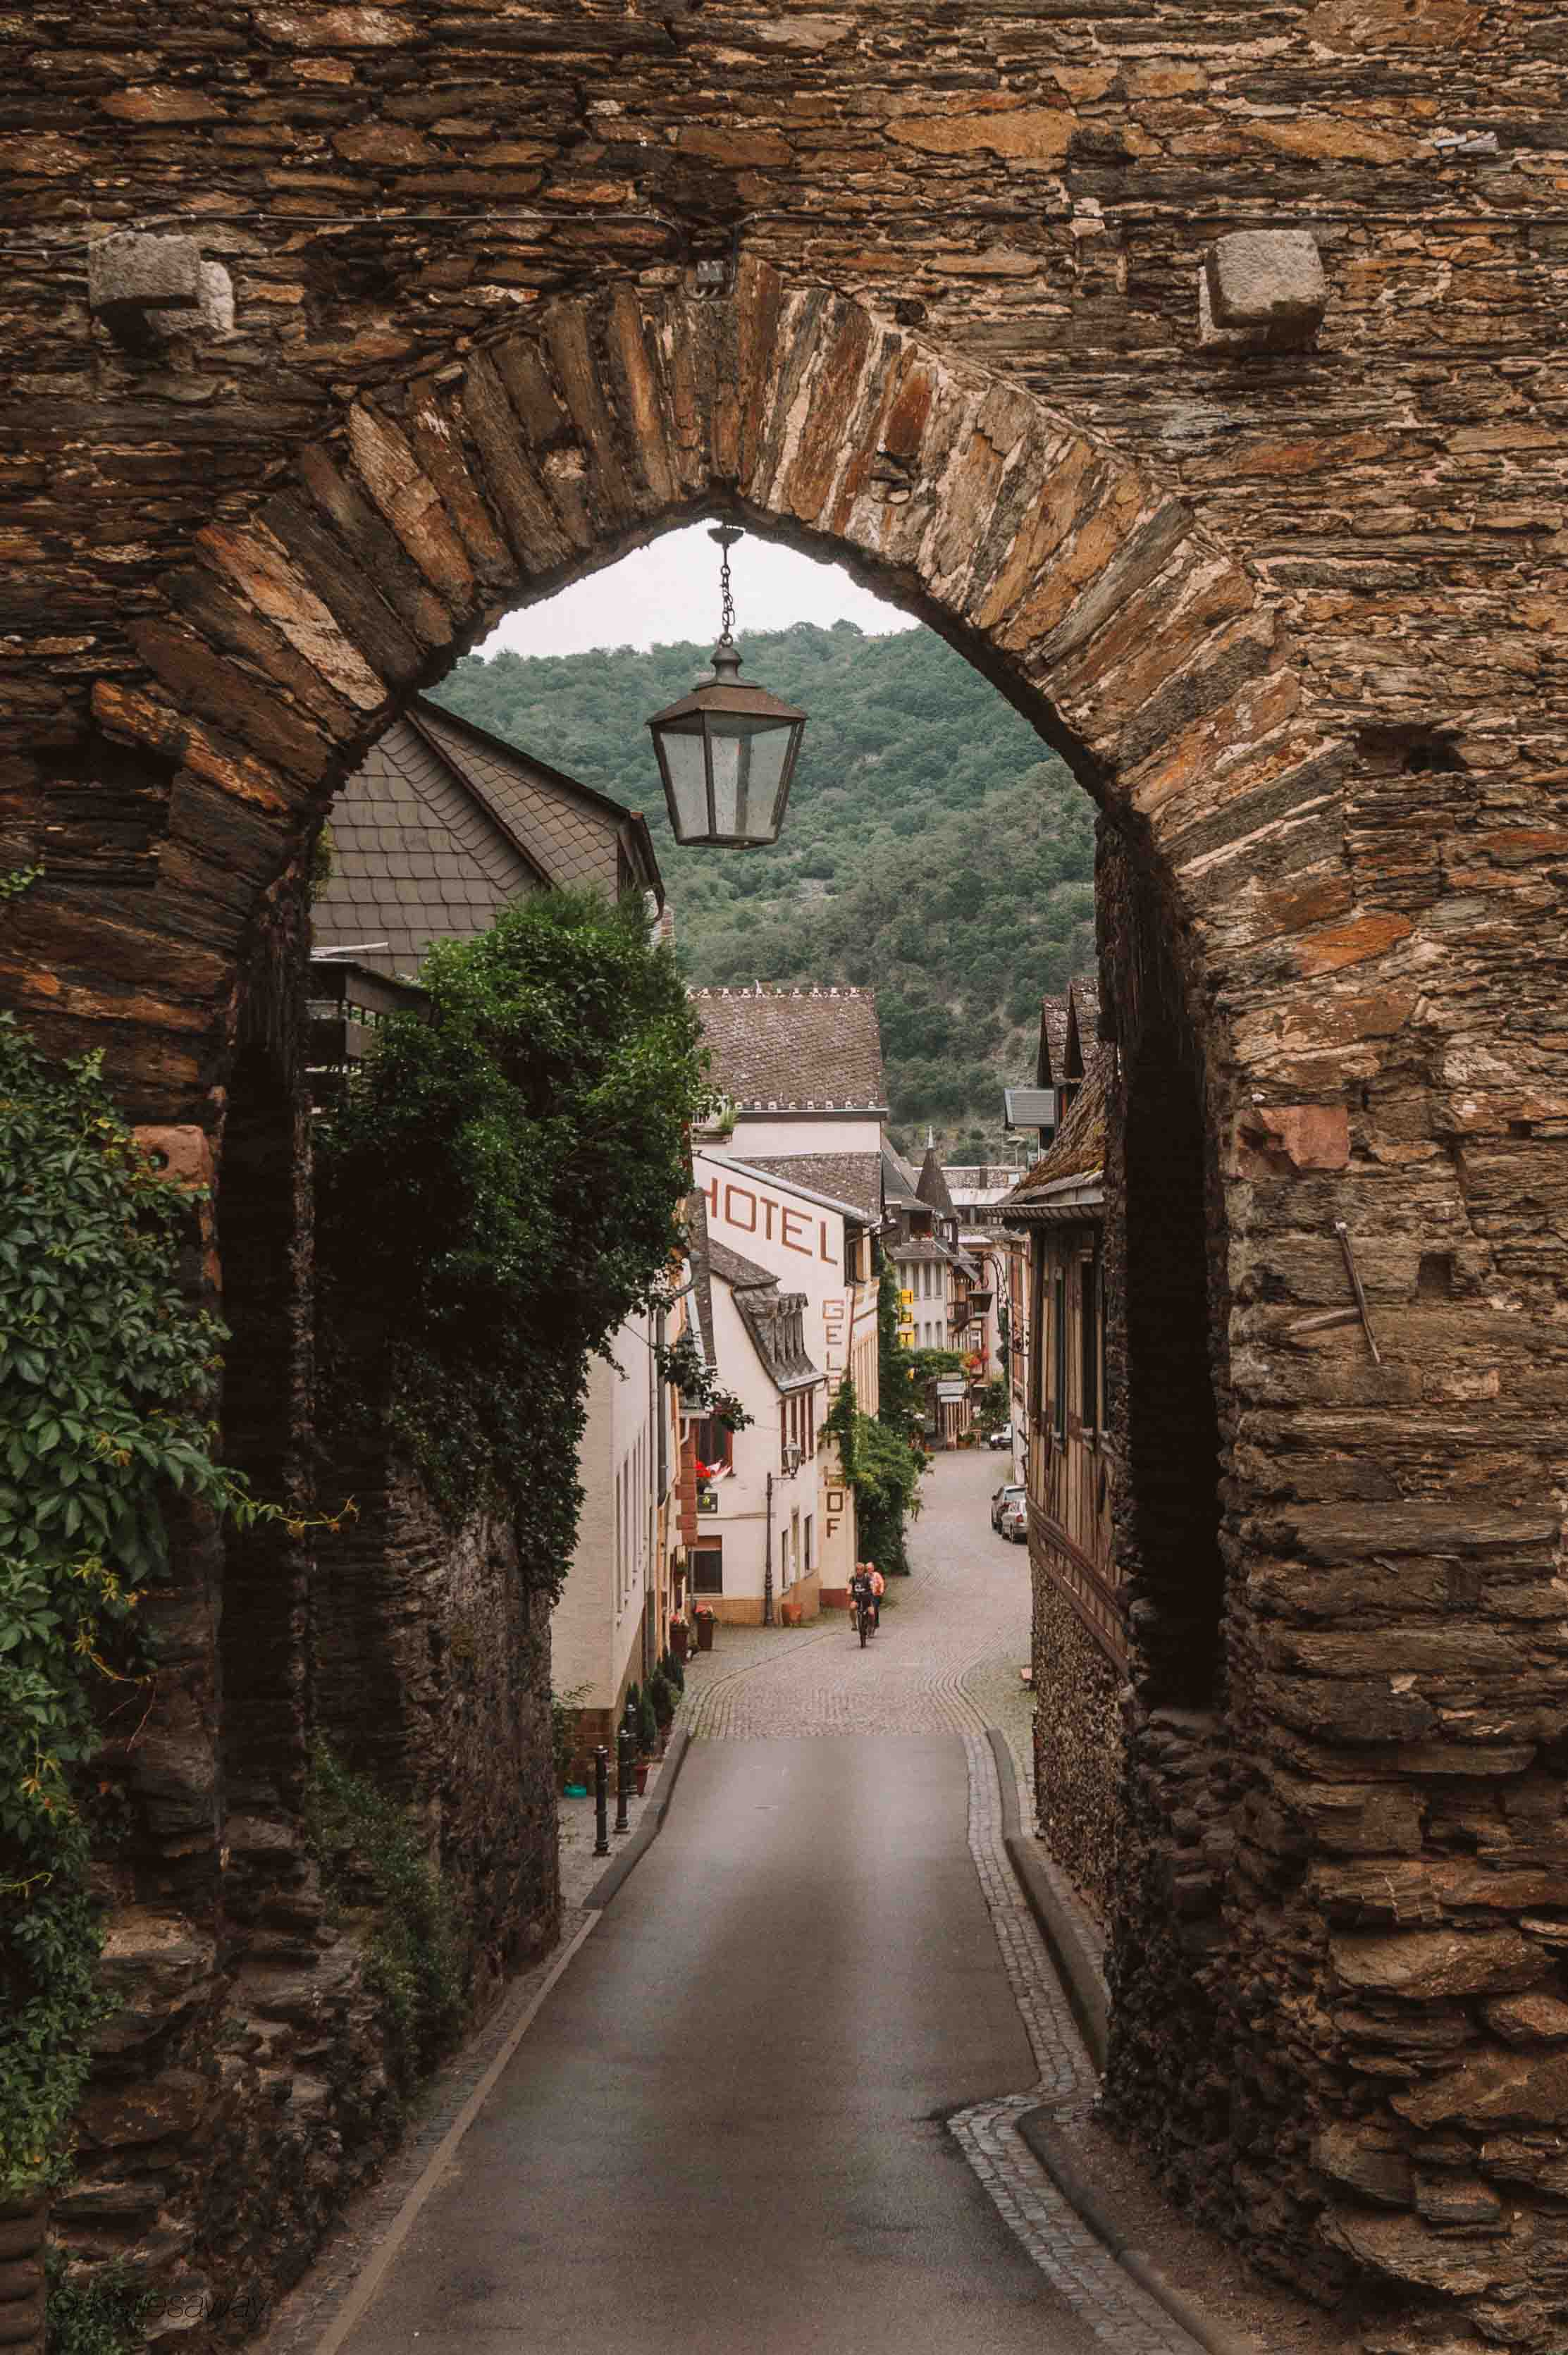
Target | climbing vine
(496,1194)
(883,1469)
(105,1373)
(680,1362)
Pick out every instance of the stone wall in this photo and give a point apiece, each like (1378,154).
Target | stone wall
(1078,1764)
(1295,616)
(430,1675)
(245,2085)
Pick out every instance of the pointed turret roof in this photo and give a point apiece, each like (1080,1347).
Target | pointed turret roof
(933,1186)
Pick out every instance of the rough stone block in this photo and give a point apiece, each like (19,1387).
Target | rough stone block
(147,288)
(1262,290)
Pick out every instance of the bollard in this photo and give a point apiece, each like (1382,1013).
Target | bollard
(601,1801)
(622,1778)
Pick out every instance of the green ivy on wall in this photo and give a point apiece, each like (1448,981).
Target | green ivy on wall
(105,1371)
(497,1193)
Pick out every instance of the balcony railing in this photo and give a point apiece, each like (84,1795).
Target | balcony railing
(347,1005)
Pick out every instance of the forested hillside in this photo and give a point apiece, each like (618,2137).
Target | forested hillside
(933,848)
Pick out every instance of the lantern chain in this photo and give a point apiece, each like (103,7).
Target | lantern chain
(725,535)
(727,636)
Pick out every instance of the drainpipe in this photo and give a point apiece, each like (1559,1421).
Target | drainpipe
(768,1560)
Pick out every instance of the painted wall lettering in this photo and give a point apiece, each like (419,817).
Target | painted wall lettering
(733,1194)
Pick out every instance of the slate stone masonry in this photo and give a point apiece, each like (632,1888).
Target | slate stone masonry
(1295,616)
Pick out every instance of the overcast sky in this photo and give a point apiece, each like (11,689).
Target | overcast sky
(670,591)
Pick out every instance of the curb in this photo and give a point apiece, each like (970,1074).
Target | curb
(1086,1994)
(1081,1979)
(648,1828)
(1050,2145)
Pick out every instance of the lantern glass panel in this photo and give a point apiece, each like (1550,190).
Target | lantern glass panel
(768,752)
(726,753)
(682,757)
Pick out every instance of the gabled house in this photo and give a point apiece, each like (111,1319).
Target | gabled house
(443,825)
(442,828)
(937,1278)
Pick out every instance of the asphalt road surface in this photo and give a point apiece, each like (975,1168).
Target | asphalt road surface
(724,2130)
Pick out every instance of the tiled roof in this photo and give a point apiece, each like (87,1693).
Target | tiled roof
(774,1319)
(898,1180)
(1084,1015)
(1051,1066)
(698,1251)
(853,1177)
(794,1049)
(776,1323)
(415,858)
(918,1247)
(441,826)
(575,838)
(740,1274)
(932,1185)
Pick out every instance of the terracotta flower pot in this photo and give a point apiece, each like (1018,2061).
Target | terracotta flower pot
(705,1632)
(641,1771)
(679,1635)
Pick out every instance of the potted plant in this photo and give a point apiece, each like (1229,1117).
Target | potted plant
(661,1693)
(679,1636)
(648,1727)
(703,1615)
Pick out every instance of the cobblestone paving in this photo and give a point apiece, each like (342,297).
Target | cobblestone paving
(954,1637)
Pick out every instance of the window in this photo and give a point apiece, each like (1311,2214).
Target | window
(1058,1353)
(714,1441)
(1089,1340)
(808,1552)
(707,1570)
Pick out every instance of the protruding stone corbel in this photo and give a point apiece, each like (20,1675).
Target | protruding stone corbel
(146,289)
(1262,290)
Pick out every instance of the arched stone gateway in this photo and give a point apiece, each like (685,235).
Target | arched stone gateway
(1337,1972)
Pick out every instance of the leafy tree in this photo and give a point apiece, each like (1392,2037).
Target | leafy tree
(995,1407)
(499,1193)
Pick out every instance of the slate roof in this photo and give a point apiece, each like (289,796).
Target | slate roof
(898,1180)
(698,1251)
(918,1247)
(785,1049)
(933,1188)
(739,1274)
(441,826)
(1078,1149)
(1051,1066)
(774,1319)
(851,1177)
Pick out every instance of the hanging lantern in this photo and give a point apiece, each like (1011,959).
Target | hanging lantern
(727,752)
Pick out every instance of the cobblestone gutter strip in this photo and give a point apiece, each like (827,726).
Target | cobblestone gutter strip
(1068,1948)
(1050,2146)
(1012,2144)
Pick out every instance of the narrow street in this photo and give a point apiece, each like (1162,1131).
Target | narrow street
(770,2107)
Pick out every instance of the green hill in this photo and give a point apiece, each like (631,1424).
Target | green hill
(933,848)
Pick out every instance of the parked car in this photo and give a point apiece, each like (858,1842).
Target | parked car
(1009,1489)
(1003,1438)
(1014,1520)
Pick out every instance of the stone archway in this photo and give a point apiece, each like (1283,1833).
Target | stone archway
(1142,648)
